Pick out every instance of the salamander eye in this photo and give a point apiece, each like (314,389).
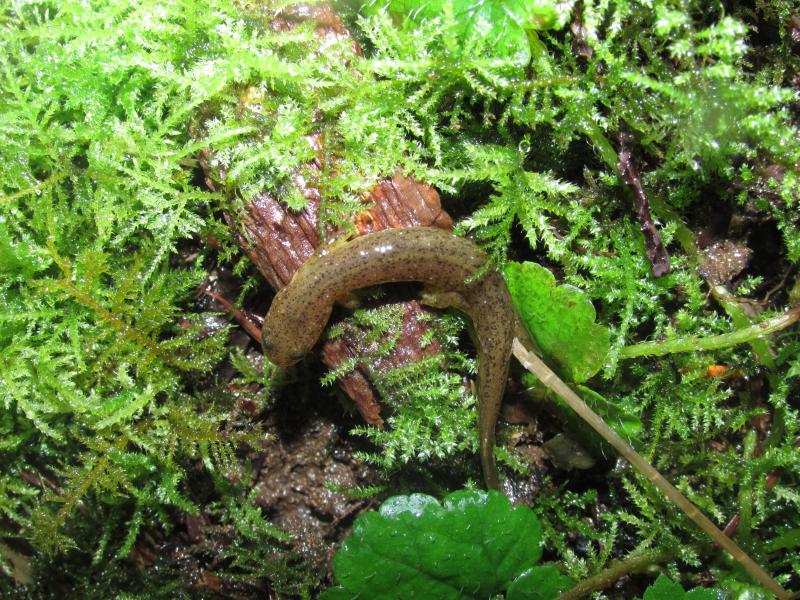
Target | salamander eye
(296,355)
(265,343)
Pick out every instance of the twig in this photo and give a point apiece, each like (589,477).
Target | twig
(656,253)
(714,342)
(612,573)
(535,365)
(245,320)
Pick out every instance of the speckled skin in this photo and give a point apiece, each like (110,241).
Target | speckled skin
(440,260)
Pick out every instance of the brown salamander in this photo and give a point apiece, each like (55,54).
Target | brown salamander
(447,265)
(444,263)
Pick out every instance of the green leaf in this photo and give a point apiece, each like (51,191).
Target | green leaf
(666,589)
(502,23)
(560,319)
(472,545)
(17,258)
(663,589)
(336,593)
(539,583)
(703,594)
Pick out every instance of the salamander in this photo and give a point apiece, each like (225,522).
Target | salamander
(447,265)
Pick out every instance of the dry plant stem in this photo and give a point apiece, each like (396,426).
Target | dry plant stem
(656,253)
(614,572)
(714,342)
(252,329)
(535,365)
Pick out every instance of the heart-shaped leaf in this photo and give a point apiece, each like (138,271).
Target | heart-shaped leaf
(539,583)
(666,589)
(472,545)
(560,319)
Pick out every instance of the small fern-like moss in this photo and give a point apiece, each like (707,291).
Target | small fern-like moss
(102,112)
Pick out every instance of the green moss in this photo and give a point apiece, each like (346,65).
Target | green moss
(107,399)
(107,375)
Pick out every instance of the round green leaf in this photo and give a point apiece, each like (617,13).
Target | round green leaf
(335,593)
(472,545)
(560,319)
(666,589)
(539,583)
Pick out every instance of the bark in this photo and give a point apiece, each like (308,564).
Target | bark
(279,240)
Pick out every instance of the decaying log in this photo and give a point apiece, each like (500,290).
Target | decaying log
(278,240)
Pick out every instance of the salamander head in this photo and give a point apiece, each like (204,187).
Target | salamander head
(291,330)
(281,351)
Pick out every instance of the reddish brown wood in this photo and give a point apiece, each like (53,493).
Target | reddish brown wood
(279,240)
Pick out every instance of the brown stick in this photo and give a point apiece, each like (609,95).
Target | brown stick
(656,253)
(251,328)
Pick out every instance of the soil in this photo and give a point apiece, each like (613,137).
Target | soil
(300,478)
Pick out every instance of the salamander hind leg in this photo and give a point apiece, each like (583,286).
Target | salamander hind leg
(488,404)
(438,298)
